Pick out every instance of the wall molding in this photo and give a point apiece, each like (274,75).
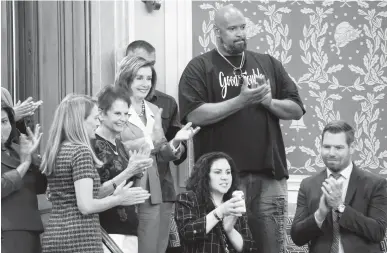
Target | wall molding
(131,21)
(294,183)
(178,42)
(178,52)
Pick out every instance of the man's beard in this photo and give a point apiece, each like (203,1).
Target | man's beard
(233,48)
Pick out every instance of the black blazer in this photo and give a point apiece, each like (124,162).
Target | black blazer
(19,204)
(363,223)
(171,125)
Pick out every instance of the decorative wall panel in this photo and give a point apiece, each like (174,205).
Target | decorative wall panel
(336,53)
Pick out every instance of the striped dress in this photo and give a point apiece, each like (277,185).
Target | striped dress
(68,230)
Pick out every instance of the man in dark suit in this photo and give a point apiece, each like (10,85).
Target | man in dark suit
(171,125)
(342,209)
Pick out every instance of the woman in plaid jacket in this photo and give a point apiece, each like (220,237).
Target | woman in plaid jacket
(210,216)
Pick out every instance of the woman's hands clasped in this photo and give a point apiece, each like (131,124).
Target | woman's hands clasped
(232,207)
(129,195)
(231,210)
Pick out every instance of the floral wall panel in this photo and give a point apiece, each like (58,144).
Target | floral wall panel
(336,52)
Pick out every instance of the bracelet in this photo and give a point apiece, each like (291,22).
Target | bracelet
(216,216)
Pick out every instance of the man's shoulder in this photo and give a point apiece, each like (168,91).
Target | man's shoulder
(259,56)
(310,181)
(202,58)
(372,178)
(164,96)
(154,108)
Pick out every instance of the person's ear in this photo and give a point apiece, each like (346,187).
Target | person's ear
(100,114)
(216,30)
(352,148)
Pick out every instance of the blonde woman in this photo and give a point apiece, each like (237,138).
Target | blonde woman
(144,125)
(70,165)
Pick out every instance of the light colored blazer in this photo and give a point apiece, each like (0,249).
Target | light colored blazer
(161,149)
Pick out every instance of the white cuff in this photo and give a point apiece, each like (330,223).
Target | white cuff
(319,223)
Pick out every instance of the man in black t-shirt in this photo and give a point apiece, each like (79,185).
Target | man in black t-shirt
(237,97)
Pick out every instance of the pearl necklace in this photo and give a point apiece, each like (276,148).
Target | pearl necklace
(142,109)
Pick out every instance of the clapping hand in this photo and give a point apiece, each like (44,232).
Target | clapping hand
(256,93)
(332,189)
(129,195)
(267,99)
(29,143)
(184,134)
(229,223)
(230,210)
(234,207)
(25,108)
(139,161)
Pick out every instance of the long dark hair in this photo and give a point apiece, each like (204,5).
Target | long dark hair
(14,135)
(199,181)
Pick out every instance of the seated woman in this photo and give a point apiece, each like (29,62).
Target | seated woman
(144,126)
(21,181)
(120,222)
(75,187)
(210,216)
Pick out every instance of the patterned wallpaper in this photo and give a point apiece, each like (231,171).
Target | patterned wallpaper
(336,53)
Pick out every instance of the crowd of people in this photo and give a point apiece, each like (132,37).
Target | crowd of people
(106,164)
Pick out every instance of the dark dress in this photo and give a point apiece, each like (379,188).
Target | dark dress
(68,230)
(121,219)
(20,217)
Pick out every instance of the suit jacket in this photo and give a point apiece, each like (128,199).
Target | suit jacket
(190,218)
(161,152)
(171,125)
(19,204)
(363,223)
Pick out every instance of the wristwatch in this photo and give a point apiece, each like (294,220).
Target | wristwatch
(217,216)
(340,209)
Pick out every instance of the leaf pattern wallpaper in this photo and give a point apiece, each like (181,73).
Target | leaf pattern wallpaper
(336,53)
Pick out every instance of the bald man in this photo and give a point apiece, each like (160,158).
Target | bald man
(238,98)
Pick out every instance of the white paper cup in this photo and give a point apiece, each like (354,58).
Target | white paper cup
(241,196)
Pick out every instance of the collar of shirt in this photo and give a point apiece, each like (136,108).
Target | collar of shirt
(346,173)
(135,119)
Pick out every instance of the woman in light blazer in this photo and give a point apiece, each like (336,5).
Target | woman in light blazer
(144,127)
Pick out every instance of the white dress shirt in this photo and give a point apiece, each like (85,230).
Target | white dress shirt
(148,128)
(345,175)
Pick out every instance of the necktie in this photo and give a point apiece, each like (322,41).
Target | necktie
(335,225)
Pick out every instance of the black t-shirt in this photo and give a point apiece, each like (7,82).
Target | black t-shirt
(120,219)
(251,136)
